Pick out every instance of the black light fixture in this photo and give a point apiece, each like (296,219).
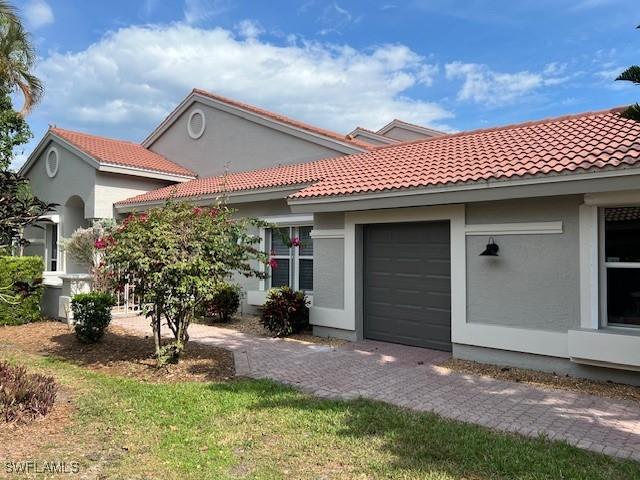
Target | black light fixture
(491,250)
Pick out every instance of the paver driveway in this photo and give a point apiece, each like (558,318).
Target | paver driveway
(410,377)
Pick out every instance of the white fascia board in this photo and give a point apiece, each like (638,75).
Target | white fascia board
(143,172)
(242,196)
(193,97)
(410,127)
(373,136)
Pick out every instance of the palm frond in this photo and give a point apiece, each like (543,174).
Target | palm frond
(631,74)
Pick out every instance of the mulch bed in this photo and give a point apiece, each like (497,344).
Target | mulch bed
(544,379)
(250,324)
(119,353)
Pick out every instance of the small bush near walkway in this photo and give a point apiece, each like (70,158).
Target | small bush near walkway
(20,289)
(91,315)
(224,304)
(23,395)
(285,312)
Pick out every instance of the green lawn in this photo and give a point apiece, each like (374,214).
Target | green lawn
(259,429)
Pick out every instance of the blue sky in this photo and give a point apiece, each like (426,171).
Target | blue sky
(117,68)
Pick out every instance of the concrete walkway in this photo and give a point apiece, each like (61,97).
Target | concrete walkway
(409,377)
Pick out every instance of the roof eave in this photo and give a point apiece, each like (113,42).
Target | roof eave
(485,190)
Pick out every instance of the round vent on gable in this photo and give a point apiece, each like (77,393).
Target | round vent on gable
(52,162)
(196,124)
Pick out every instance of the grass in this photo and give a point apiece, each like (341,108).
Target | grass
(262,430)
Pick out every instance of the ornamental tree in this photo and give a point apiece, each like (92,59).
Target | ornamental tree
(175,256)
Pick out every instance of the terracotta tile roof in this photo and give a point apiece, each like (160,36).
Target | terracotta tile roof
(122,153)
(584,142)
(284,119)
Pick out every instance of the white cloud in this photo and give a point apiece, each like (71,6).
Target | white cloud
(38,13)
(124,84)
(483,85)
(196,11)
(249,29)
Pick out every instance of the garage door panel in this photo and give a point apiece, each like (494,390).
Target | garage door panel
(408,284)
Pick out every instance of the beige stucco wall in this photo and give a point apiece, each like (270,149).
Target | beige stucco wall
(404,135)
(233,143)
(113,187)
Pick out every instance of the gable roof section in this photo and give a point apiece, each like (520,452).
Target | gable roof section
(429,132)
(586,142)
(122,153)
(342,142)
(363,132)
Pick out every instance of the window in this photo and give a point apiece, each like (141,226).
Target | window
(53,249)
(621,282)
(293,265)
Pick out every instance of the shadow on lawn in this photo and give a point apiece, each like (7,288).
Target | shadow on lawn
(131,355)
(423,444)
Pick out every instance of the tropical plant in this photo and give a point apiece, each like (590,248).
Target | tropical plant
(18,209)
(285,312)
(17,58)
(23,395)
(631,74)
(175,256)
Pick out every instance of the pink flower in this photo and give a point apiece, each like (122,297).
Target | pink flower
(100,244)
(214,211)
(143,217)
(197,210)
(295,242)
(273,263)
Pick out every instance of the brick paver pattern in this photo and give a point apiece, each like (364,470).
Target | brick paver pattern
(410,377)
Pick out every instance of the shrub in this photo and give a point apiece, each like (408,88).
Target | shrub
(285,312)
(225,302)
(91,315)
(20,289)
(23,395)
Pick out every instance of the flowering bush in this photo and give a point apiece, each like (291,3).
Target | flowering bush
(85,247)
(285,312)
(175,256)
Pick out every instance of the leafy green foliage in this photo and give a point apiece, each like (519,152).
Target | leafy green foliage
(285,312)
(91,315)
(20,289)
(23,395)
(18,207)
(631,74)
(176,256)
(224,303)
(17,59)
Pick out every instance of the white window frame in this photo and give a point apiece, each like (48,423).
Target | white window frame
(52,220)
(294,256)
(604,266)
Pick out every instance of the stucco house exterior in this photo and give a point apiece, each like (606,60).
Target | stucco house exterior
(393,223)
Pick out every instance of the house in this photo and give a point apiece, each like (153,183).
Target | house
(516,245)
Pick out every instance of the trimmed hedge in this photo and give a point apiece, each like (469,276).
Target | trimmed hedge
(91,315)
(20,289)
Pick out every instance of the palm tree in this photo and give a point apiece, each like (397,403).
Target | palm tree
(17,58)
(631,74)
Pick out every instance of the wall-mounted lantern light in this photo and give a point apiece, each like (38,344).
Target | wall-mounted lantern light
(491,250)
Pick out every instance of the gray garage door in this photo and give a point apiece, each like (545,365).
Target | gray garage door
(407,284)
